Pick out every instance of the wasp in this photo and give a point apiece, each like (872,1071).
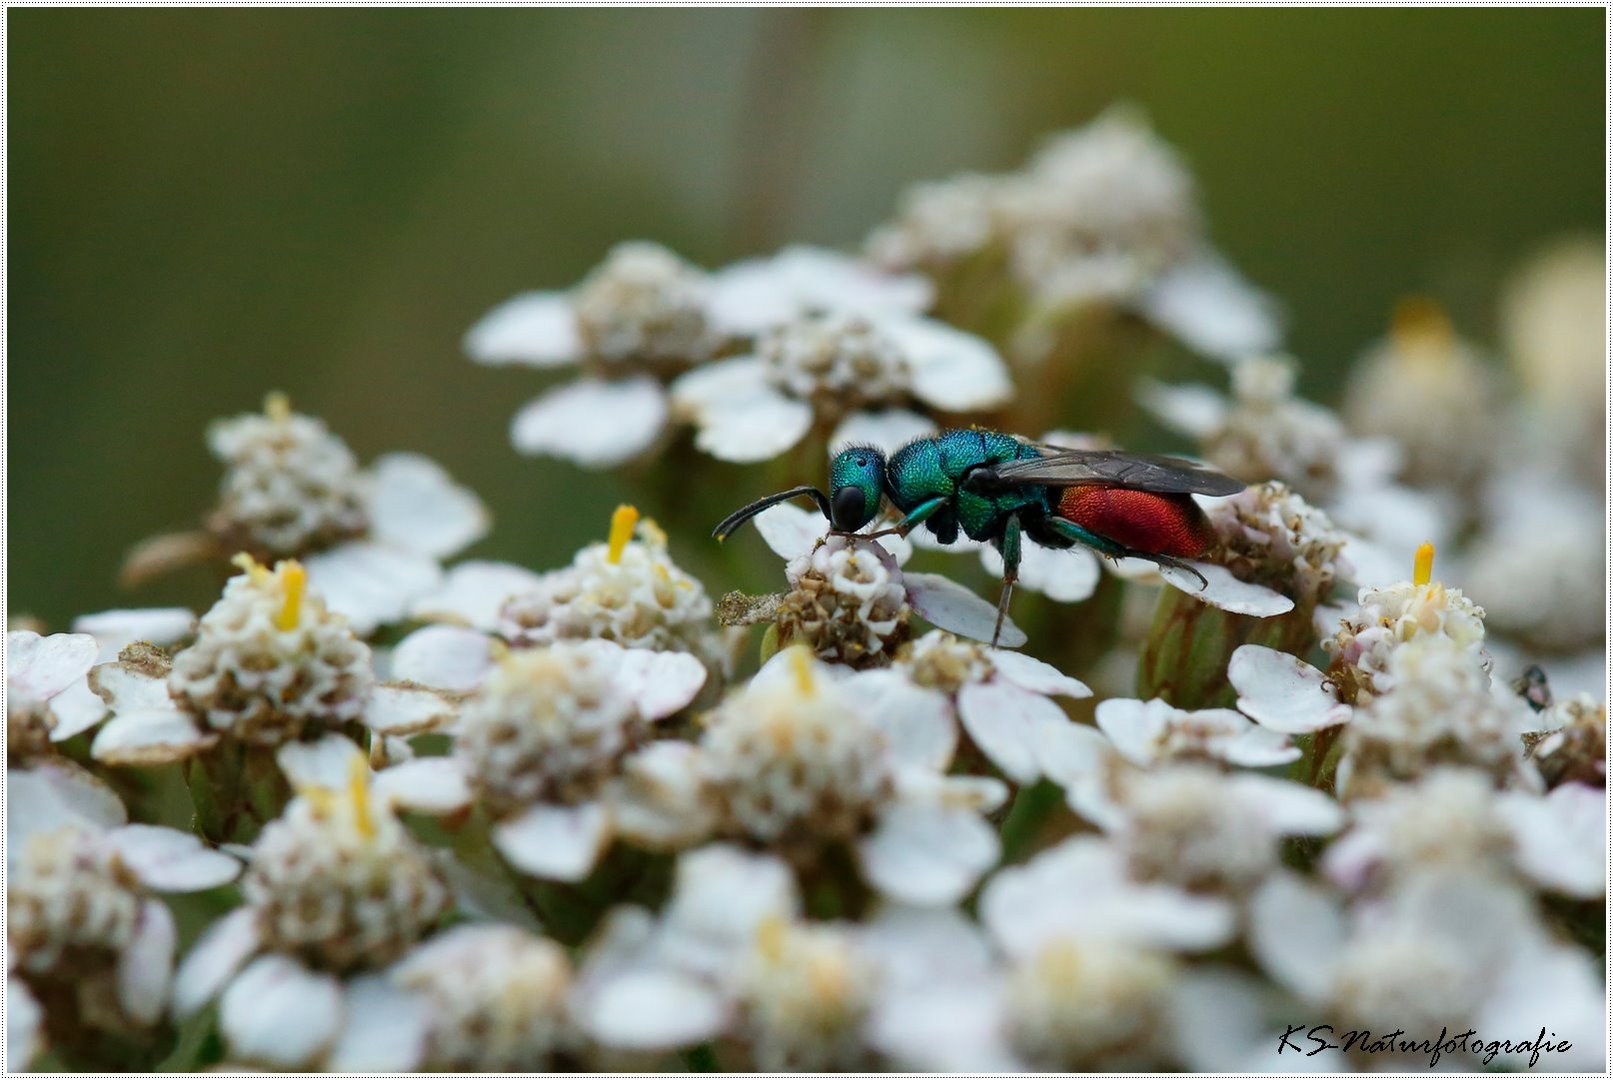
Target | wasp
(997,488)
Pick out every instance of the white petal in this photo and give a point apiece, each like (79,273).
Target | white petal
(1189,408)
(25,1022)
(1035,675)
(146,966)
(888,429)
(1283,692)
(659,683)
(721,896)
(952,607)
(115,629)
(536,328)
(149,737)
(279,1013)
(1561,840)
(431,785)
(1220,589)
(928,854)
(327,763)
(1135,727)
(791,531)
(952,371)
(215,958)
(757,294)
(1207,306)
(1008,723)
(1292,809)
(370,584)
(946,1027)
(385,1030)
(58,792)
(653,1010)
(447,657)
(404,710)
(415,506)
(1259,748)
(917,946)
(1068,576)
(169,860)
(740,415)
(128,689)
(75,710)
(473,594)
(593,422)
(560,843)
(39,668)
(1297,932)
(916,721)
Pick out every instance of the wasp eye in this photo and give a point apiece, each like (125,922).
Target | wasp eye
(849,509)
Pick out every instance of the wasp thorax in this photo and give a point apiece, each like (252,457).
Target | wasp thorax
(793,762)
(270,662)
(547,725)
(836,361)
(1085,1004)
(290,486)
(643,303)
(847,603)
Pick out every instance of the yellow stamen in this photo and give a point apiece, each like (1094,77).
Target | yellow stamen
(801,664)
(277,406)
(358,793)
(770,938)
(256,570)
(1423,568)
(294,580)
(1420,323)
(622,524)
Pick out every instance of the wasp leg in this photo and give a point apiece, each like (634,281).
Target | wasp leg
(916,517)
(1009,546)
(1105,546)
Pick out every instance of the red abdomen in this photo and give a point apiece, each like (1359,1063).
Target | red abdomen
(1142,520)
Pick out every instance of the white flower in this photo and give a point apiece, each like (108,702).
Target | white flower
(115,630)
(801,760)
(1538,564)
(1003,700)
(1104,214)
(1148,732)
(844,589)
(372,539)
(496,999)
(81,919)
(546,741)
(831,369)
(1272,536)
(336,886)
(1454,820)
(1448,950)
(1439,709)
(1429,391)
(48,698)
(627,590)
(644,316)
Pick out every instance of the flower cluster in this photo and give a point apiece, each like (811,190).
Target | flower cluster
(846,813)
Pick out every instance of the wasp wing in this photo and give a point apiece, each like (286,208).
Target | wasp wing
(1059,467)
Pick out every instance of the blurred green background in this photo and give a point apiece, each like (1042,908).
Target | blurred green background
(208,204)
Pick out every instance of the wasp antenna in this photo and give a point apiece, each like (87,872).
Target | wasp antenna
(727,525)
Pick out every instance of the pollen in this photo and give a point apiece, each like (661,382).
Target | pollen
(277,406)
(1423,567)
(254,569)
(358,794)
(801,665)
(294,579)
(622,524)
